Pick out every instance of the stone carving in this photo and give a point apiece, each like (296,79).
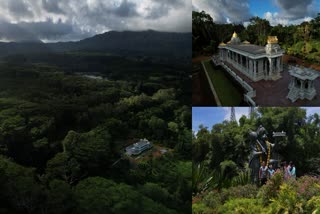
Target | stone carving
(302,84)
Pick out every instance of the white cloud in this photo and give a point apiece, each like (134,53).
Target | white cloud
(276,18)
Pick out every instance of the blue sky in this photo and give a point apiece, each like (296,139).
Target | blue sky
(208,116)
(283,12)
(258,8)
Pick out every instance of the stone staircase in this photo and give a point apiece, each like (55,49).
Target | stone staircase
(293,94)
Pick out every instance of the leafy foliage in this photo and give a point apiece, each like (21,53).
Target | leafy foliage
(62,134)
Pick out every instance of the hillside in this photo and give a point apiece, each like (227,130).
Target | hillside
(150,43)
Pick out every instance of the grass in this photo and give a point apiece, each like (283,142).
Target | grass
(228,93)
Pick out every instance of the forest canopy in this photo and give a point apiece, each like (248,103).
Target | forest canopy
(63,135)
(298,40)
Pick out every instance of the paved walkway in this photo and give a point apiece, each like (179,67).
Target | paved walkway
(274,93)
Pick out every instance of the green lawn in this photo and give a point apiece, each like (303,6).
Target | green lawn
(228,93)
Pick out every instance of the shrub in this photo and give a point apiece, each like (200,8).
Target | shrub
(313,205)
(242,206)
(287,201)
(213,200)
(246,191)
(271,188)
(243,178)
(307,187)
(200,208)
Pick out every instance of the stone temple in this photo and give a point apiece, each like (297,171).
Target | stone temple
(302,84)
(256,62)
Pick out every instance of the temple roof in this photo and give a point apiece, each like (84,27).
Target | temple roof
(303,73)
(250,48)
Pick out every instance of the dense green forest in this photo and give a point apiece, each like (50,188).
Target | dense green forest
(298,40)
(62,135)
(221,177)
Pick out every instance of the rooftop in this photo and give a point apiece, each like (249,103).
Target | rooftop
(252,49)
(249,48)
(303,73)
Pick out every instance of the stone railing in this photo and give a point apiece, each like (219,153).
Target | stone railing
(250,92)
(216,60)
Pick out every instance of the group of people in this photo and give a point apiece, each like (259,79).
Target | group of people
(266,172)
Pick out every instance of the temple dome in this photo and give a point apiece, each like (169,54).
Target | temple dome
(234,35)
(235,39)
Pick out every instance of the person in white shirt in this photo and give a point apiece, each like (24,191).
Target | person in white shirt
(263,173)
(270,170)
(292,170)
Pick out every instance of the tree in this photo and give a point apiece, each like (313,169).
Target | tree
(92,150)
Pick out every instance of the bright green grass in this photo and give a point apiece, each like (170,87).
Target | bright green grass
(228,93)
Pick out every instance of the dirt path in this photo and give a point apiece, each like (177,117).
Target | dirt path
(198,59)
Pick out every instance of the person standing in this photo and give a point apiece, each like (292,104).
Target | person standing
(271,170)
(263,173)
(292,170)
(286,171)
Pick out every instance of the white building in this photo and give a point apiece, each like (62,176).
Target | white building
(139,147)
(256,62)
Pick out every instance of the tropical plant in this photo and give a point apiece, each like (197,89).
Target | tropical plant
(287,201)
(242,206)
(200,208)
(313,205)
(201,177)
(271,188)
(243,178)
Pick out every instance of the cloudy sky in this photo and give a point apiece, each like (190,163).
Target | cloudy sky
(208,116)
(283,12)
(65,20)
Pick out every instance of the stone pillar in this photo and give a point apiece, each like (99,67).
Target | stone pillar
(247,64)
(254,69)
(237,58)
(270,66)
(294,82)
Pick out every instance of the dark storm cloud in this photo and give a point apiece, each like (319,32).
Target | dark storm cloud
(296,9)
(162,8)
(39,19)
(126,9)
(34,30)
(52,6)
(19,8)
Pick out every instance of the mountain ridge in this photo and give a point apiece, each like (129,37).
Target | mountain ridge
(149,42)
